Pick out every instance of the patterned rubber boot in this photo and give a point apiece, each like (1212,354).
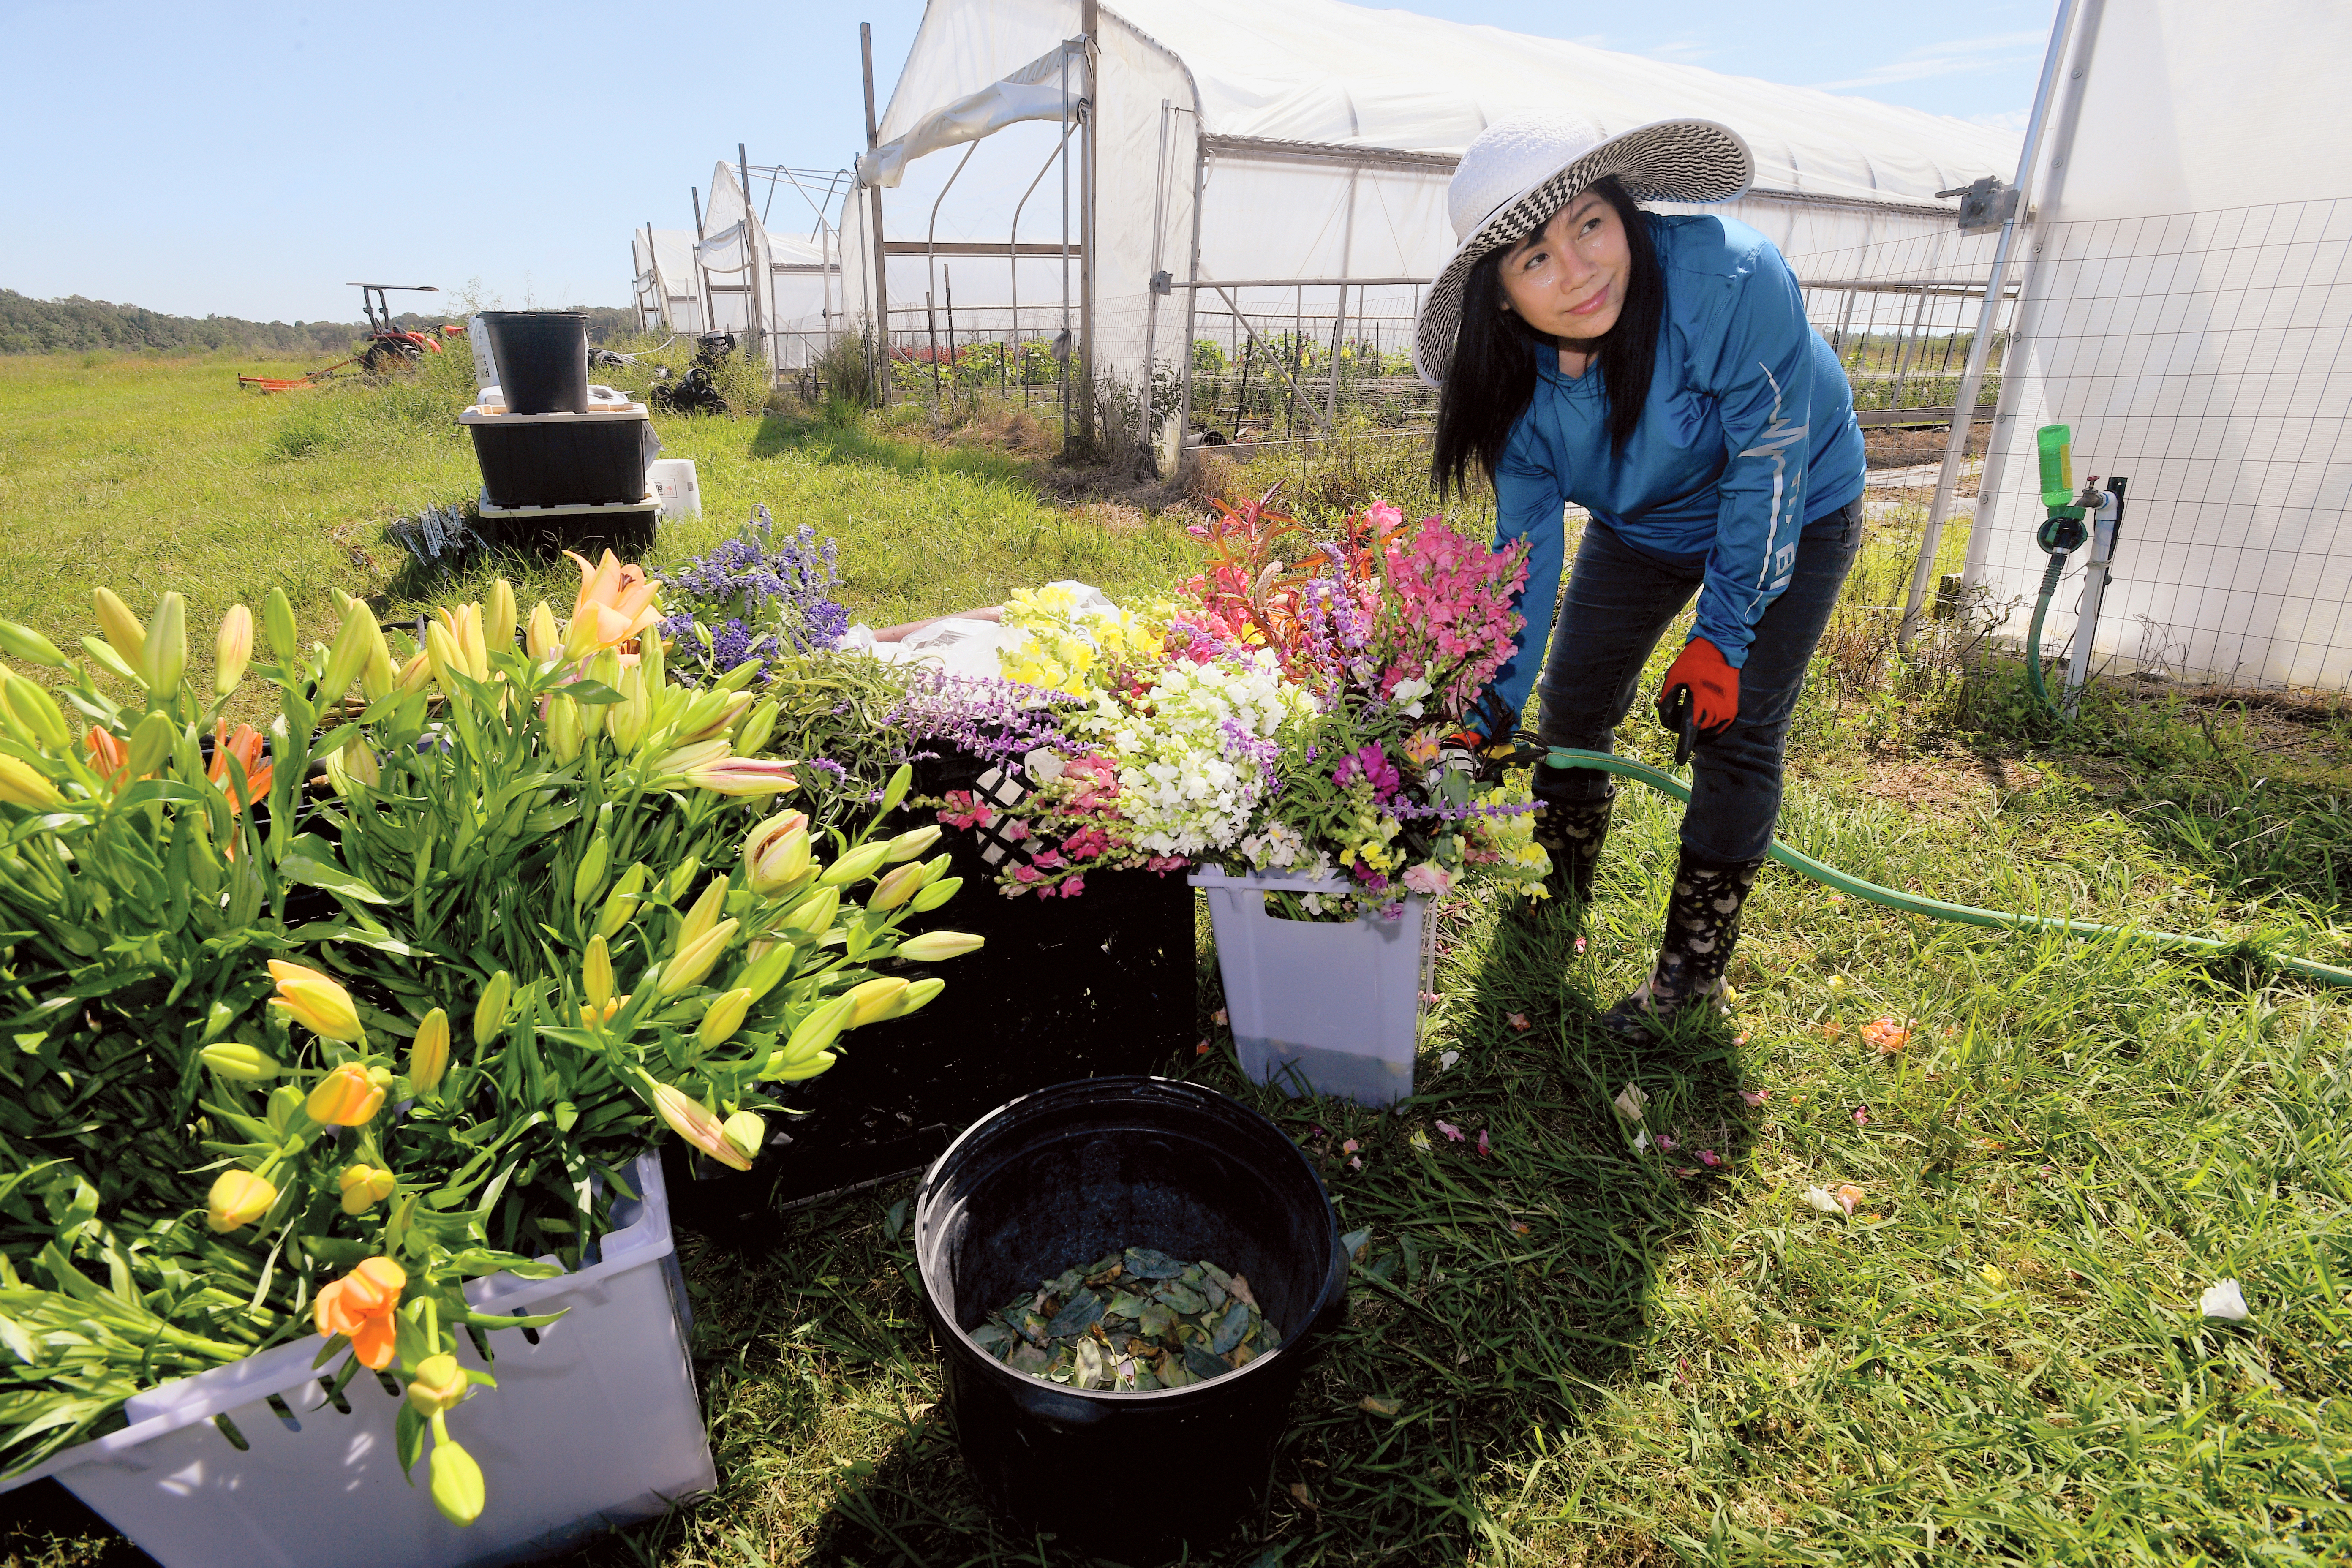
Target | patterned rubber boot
(1571,829)
(1702,925)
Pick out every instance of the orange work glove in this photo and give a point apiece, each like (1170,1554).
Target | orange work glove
(1712,685)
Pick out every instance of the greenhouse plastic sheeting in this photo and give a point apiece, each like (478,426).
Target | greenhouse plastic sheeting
(1298,100)
(2185,307)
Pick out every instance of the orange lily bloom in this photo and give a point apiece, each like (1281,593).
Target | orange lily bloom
(246,746)
(361,1304)
(109,756)
(615,604)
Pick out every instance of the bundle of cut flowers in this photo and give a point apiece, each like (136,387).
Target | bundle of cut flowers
(314,1026)
(1393,628)
(1277,715)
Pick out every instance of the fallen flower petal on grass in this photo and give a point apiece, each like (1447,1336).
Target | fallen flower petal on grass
(1991,1275)
(1886,1034)
(1666,1143)
(1580,944)
(1641,1143)
(1824,1200)
(1453,1133)
(1373,1405)
(1755,1097)
(1355,1163)
(1447,1060)
(1350,1147)
(2225,1301)
(1517,1021)
(1709,1158)
(1419,1139)
(1520,1227)
(1849,1197)
(1832,1029)
(1861,1116)
(1738,1040)
(1218,1017)
(1686,1172)
(1482,1149)
(1631,1102)
(1202,1049)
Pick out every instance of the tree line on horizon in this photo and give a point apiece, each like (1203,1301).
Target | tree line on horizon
(76,325)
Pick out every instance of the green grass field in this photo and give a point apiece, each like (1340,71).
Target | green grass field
(1597,1357)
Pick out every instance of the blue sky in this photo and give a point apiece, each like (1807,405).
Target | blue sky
(247,160)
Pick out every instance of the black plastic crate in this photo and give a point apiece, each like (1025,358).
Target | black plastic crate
(1066,988)
(562,460)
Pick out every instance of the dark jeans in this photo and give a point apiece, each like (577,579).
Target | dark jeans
(1618,604)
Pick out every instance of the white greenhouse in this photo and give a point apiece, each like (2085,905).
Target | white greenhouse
(2185,305)
(1280,166)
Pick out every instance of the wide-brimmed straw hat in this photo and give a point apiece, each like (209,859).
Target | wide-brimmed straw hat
(1521,171)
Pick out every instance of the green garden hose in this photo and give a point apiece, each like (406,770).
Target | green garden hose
(2050,576)
(1965,915)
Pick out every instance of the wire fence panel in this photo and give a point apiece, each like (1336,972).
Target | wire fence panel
(2202,357)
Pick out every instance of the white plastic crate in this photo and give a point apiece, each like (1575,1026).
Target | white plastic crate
(1319,1006)
(672,482)
(593,1425)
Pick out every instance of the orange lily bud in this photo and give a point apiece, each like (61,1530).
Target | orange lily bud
(320,1004)
(695,959)
(744,1132)
(438,1383)
(236,1060)
(379,677)
(345,1098)
(596,973)
(164,659)
(491,1012)
(348,655)
(743,776)
(443,650)
(691,1121)
(363,1187)
(361,1304)
(776,853)
(540,638)
(936,946)
(726,1016)
(872,1000)
(499,617)
(912,843)
(122,629)
(232,649)
(237,1199)
(20,786)
(428,1054)
(416,673)
(457,1488)
(895,888)
(700,919)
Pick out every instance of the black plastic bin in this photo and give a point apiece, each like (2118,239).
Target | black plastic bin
(542,359)
(562,460)
(1070,1174)
(1065,988)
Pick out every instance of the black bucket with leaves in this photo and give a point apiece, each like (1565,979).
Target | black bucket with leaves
(1072,1175)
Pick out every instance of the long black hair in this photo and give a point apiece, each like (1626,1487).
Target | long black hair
(1493,375)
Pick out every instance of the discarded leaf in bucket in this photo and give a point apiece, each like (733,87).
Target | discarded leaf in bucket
(1138,1320)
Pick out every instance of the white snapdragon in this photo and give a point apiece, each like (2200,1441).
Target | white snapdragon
(1178,782)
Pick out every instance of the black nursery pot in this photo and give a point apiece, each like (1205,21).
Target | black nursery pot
(542,360)
(1064,1177)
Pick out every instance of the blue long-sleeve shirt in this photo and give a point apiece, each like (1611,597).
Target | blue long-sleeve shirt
(1747,435)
